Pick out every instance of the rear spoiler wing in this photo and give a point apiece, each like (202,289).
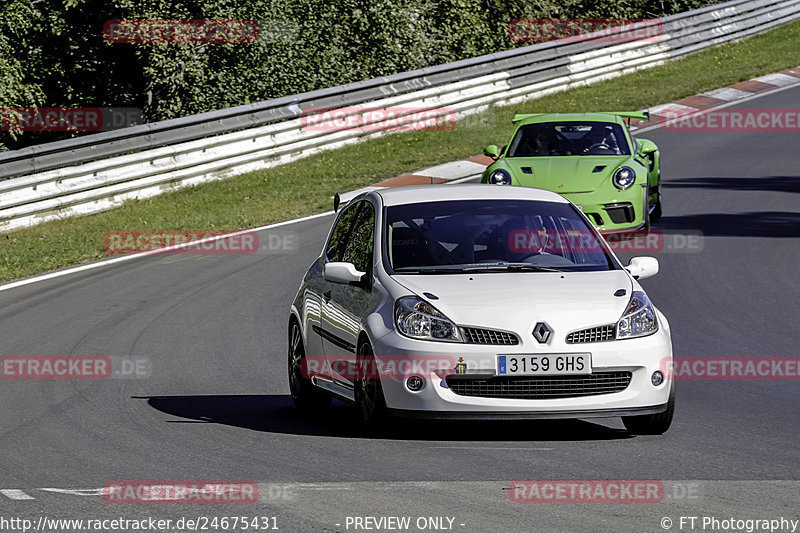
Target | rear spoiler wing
(642,115)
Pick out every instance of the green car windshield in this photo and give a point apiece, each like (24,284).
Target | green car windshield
(568,138)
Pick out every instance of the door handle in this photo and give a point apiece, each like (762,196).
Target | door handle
(327,296)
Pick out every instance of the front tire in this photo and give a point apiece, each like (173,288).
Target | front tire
(646,215)
(657,209)
(656,424)
(305,396)
(370,403)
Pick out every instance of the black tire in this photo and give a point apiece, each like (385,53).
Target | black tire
(305,395)
(656,214)
(370,403)
(656,424)
(657,209)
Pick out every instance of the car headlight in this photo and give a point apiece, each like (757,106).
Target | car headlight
(639,319)
(624,178)
(416,318)
(500,177)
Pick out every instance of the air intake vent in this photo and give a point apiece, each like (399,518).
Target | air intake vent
(598,334)
(488,336)
(540,387)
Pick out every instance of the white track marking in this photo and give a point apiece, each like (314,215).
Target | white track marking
(465,178)
(16,494)
(671,107)
(728,94)
(452,170)
(781,80)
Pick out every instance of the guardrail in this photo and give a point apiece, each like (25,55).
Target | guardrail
(98,172)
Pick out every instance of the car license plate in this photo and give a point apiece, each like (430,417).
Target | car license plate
(535,365)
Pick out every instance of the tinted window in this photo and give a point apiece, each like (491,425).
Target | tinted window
(449,236)
(359,248)
(569,138)
(341,233)
(352,238)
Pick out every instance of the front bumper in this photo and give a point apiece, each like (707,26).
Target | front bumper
(641,357)
(606,207)
(526,415)
(621,213)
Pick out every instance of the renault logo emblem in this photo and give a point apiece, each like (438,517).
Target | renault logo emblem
(541,332)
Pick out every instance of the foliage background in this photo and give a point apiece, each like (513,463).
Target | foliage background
(52,52)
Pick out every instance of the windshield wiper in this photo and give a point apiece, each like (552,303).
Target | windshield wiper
(428,270)
(511,267)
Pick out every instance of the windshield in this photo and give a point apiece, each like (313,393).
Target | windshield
(491,235)
(569,138)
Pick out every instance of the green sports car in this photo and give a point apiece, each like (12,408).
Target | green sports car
(591,159)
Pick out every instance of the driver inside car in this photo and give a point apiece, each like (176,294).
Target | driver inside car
(600,140)
(516,240)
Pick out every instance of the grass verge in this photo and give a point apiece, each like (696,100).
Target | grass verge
(305,186)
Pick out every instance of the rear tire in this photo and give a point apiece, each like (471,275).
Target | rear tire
(656,424)
(370,403)
(305,395)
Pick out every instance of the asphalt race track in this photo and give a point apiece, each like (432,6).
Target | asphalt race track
(215,405)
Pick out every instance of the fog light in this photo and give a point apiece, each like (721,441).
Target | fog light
(657,378)
(415,383)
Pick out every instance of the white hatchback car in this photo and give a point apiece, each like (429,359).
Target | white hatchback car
(470,301)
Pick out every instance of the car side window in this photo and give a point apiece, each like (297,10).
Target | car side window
(341,233)
(360,245)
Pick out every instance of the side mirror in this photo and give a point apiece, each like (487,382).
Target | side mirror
(647,147)
(344,273)
(491,151)
(643,267)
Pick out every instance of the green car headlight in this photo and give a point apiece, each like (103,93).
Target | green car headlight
(639,319)
(624,178)
(500,177)
(416,318)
